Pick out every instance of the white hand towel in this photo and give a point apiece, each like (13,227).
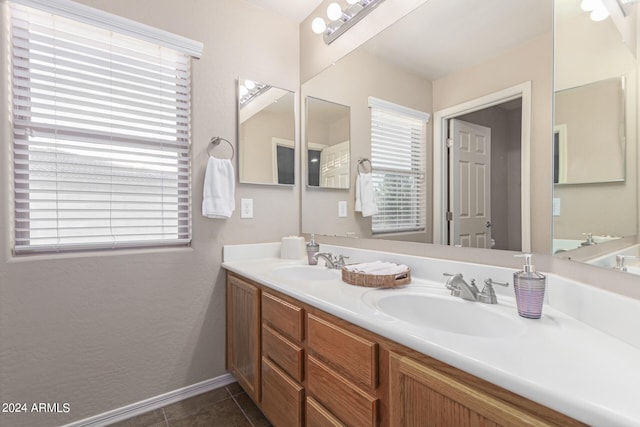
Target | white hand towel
(365,197)
(219,189)
(378,268)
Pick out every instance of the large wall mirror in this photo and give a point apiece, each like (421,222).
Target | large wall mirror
(596,168)
(266,134)
(328,144)
(419,63)
(589,133)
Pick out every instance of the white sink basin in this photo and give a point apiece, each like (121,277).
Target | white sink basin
(447,313)
(306,272)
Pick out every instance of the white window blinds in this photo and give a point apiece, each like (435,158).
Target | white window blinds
(101,127)
(398,138)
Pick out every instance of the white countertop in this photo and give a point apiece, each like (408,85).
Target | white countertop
(557,361)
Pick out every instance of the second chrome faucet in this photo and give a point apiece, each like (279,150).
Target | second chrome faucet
(469,291)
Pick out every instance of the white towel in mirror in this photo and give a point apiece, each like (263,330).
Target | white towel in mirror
(365,197)
(219,189)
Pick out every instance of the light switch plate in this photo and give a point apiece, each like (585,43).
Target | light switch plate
(246,208)
(556,206)
(342,209)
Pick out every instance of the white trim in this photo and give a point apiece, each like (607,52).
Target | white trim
(390,106)
(138,408)
(109,21)
(523,91)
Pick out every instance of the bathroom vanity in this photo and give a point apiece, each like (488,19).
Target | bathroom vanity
(312,350)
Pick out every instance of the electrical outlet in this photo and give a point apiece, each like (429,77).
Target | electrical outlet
(246,208)
(342,209)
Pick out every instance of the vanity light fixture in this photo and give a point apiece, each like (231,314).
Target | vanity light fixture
(249,90)
(340,20)
(597,8)
(626,6)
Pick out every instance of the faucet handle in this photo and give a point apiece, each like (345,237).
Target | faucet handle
(340,260)
(488,295)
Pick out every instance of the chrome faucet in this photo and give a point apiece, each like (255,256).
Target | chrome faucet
(469,291)
(460,288)
(620,261)
(589,241)
(331,261)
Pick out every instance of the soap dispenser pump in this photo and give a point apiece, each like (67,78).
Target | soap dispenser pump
(312,249)
(529,287)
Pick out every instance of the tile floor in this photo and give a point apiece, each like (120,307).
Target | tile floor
(225,407)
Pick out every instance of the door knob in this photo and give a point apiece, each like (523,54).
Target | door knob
(488,224)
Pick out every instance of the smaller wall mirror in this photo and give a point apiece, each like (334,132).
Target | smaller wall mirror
(589,140)
(266,134)
(328,144)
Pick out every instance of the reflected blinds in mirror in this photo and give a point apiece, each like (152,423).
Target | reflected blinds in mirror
(398,137)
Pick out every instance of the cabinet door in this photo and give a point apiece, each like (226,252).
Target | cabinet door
(243,334)
(421,396)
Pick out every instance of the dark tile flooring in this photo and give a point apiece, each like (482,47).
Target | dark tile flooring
(226,407)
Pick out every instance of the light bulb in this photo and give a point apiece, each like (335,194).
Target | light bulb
(353,1)
(600,13)
(589,5)
(318,25)
(243,91)
(334,12)
(249,84)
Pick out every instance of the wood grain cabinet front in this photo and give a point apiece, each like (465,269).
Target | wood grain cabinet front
(423,396)
(348,353)
(243,334)
(282,398)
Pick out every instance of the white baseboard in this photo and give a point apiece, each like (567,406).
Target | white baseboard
(152,403)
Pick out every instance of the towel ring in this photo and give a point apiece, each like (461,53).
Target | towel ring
(361,163)
(215,141)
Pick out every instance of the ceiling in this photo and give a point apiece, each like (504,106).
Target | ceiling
(428,40)
(295,10)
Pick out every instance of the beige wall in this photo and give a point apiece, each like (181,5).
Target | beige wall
(103,330)
(587,53)
(350,82)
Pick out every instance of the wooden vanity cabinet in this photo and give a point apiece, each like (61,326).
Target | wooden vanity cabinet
(282,361)
(243,334)
(309,368)
(342,372)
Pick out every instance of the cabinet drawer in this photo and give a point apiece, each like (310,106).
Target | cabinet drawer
(282,398)
(283,352)
(341,397)
(282,316)
(356,357)
(318,416)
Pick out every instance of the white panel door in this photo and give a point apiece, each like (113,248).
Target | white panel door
(470,184)
(334,166)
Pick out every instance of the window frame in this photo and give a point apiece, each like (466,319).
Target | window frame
(122,26)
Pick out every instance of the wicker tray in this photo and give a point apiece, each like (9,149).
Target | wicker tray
(376,280)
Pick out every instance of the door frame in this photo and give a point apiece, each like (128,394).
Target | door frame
(440,165)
